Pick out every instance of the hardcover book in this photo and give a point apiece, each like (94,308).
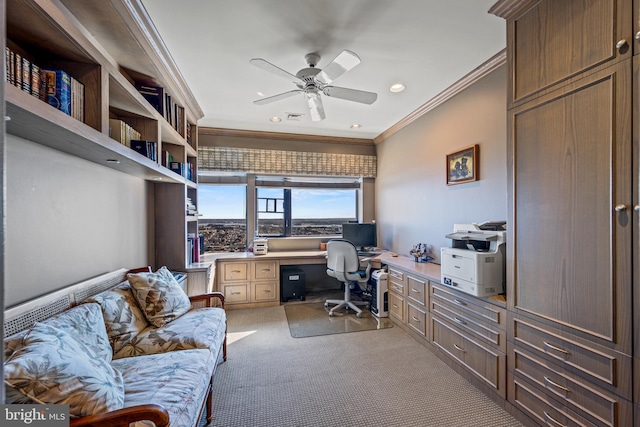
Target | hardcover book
(154,94)
(59,90)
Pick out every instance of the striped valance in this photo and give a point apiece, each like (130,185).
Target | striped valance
(250,160)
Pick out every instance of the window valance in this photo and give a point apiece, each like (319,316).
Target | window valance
(261,161)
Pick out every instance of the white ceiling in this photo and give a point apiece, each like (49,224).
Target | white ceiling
(425,44)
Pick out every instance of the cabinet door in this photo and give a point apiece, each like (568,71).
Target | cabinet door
(570,169)
(556,40)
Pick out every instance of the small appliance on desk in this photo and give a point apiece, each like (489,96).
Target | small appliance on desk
(260,246)
(475,262)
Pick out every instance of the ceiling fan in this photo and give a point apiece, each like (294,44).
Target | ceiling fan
(312,82)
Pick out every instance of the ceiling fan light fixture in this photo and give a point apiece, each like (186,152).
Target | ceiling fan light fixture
(396,88)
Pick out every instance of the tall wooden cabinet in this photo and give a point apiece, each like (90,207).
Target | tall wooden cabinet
(110,47)
(572,179)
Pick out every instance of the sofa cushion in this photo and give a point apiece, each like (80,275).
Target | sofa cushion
(85,323)
(159,295)
(177,381)
(198,328)
(122,316)
(52,367)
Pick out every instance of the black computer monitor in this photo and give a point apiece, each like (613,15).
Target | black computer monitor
(361,235)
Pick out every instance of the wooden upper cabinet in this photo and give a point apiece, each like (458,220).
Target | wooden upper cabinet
(553,41)
(571,206)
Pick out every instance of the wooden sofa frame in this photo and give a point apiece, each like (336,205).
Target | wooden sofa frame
(25,315)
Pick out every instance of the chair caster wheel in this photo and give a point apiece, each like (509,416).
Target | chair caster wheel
(358,314)
(330,314)
(326,304)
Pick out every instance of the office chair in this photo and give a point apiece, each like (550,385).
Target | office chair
(343,264)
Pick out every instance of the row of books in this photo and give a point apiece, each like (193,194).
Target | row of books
(53,86)
(122,132)
(192,210)
(193,248)
(164,104)
(186,170)
(148,149)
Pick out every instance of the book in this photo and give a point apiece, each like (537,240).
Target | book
(59,90)
(177,167)
(26,75)
(77,100)
(36,81)
(146,148)
(154,95)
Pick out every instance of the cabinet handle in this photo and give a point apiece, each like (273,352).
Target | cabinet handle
(553,420)
(235,271)
(457,301)
(266,291)
(636,208)
(265,269)
(415,290)
(395,306)
(415,319)
(235,293)
(620,208)
(621,44)
(555,384)
(460,321)
(459,348)
(637,36)
(553,347)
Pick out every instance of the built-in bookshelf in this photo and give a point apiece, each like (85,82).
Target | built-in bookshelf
(111,54)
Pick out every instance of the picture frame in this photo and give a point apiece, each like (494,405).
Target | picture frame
(463,166)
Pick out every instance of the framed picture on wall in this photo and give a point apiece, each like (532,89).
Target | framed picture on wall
(463,166)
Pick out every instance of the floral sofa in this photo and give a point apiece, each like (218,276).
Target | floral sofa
(126,348)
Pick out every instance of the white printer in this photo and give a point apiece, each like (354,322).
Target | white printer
(260,246)
(475,262)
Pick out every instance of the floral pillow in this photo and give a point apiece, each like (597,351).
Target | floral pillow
(54,368)
(159,295)
(122,316)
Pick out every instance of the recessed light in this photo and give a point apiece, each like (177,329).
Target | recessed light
(275,119)
(260,93)
(395,88)
(156,178)
(355,126)
(113,161)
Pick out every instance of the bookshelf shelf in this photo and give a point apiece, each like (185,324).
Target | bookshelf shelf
(110,47)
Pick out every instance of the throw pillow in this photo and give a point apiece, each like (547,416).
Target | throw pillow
(122,317)
(159,295)
(53,368)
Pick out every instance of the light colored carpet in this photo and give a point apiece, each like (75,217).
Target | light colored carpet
(371,378)
(312,319)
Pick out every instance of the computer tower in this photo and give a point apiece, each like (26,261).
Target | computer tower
(292,284)
(380,293)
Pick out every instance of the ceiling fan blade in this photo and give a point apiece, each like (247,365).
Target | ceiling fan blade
(278,97)
(342,63)
(268,66)
(316,109)
(350,94)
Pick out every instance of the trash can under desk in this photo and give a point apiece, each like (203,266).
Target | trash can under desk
(292,284)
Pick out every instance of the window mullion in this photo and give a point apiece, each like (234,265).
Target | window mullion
(287,212)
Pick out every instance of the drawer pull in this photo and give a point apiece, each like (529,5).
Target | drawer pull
(460,321)
(555,384)
(415,319)
(236,271)
(459,348)
(236,293)
(264,270)
(266,291)
(459,302)
(553,347)
(415,290)
(395,306)
(553,420)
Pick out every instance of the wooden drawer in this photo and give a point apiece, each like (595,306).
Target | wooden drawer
(232,271)
(396,306)
(237,293)
(397,281)
(471,306)
(542,408)
(417,319)
(265,270)
(265,291)
(417,290)
(603,407)
(604,367)
(484,362)
(482,329)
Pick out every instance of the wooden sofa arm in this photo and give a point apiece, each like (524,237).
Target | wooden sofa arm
(208,298)
(122,417)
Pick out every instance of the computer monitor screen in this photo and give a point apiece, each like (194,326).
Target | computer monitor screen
(361,235)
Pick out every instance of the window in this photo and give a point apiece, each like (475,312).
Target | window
(223,221)
(304,211)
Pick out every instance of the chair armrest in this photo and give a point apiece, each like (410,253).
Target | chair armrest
(208,297)
(123,417)
(146,269)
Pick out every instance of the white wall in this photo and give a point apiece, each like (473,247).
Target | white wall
(413,203)
(69,220)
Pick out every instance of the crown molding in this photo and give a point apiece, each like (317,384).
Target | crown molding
(478,73)
(281,136)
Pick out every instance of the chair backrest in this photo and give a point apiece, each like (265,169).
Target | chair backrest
(342,260)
